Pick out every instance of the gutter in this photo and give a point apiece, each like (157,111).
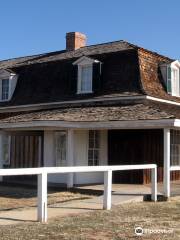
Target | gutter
(46,106)
(53,124)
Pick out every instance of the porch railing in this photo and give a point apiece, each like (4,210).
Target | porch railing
(172,168)
(107,170)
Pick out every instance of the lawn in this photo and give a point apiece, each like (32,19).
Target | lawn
(23,197)
(119,223)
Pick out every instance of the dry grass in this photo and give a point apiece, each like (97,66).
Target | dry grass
(102,225)
(19,197)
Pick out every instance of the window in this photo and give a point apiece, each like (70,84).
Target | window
(169,79)
(6,150)
(94,148)
(5,89)
(173,78)
(85,79)
(175,147)
(89,71)
(8,81)
(61,138)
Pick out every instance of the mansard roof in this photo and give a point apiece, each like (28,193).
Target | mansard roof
(127,69)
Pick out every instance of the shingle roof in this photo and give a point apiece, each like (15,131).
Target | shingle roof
(109,47)
(128,70)
(146,110)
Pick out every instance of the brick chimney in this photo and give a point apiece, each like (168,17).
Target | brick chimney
(75,40)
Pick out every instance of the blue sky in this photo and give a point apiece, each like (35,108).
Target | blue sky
(37,26)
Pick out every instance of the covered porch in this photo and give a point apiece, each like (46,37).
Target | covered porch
(95,146)
(118,135)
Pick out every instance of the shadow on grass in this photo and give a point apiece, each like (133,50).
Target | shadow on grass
(18,191)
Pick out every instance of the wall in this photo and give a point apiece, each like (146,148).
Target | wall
(80,157)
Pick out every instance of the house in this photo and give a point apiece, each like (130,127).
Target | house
(106,104)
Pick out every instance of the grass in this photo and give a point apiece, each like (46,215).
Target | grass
(23,197)
(119,223)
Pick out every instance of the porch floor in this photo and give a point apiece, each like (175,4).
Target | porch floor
(121,193)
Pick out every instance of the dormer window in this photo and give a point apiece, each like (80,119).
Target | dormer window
(171,76)
(86,73)
(5,89)
(8,82)
(85,79)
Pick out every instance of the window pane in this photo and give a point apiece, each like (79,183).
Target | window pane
(90,154)
(169,72)
(96,154)
(86,79)
(6,150)
(91,142)
(96,144)
(175,147)
(5,89)
(93,152)
(169,89)
(61,148)
(90,163)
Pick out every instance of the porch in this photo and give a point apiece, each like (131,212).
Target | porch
(97,146)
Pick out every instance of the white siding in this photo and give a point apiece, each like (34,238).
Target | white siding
(49,157)
(80,157)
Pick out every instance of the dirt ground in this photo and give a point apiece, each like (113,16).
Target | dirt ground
(119,223)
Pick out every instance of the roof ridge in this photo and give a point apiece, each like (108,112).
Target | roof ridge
(35,57)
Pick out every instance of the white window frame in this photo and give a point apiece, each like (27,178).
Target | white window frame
(84,62)
(12,77)
(5,92)
(175,78)
(60,162)
(94,148)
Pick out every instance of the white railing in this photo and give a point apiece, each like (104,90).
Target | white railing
(172,168)
(175,168)
(44,171)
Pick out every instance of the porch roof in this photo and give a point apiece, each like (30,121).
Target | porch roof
(144,111)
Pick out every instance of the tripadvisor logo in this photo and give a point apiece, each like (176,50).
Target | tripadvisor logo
(139,231)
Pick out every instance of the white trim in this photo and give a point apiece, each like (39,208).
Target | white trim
(175,168)
(162,100)
(85,61)
(166,178)
(142,124)
(41,106)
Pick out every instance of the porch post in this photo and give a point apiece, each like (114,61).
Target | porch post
(70,156)
(107,190)
(42,197)
(1,152)
(166,180)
